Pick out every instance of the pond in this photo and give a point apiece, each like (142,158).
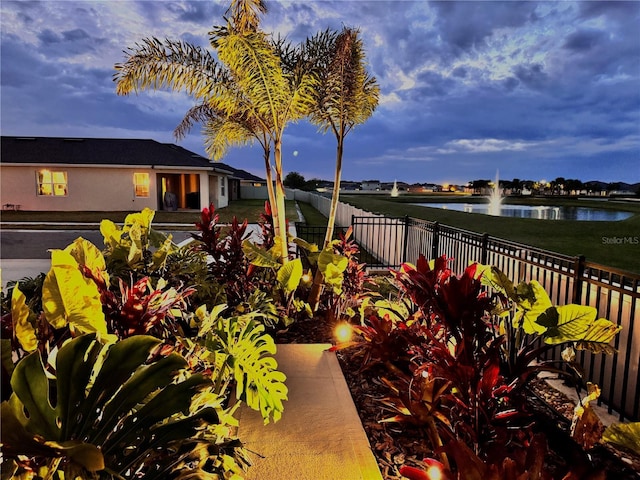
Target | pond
(541,212)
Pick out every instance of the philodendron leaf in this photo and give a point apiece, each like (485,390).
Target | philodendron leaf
(573,323)
(497,280)
(289,275)
(529,309)
(258,256)
(34,408)
(21,317)
(624,434)
(576,323)
(70,298)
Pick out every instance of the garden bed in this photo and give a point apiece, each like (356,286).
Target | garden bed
(397,445)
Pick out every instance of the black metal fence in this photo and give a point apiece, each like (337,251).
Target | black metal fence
(614,293)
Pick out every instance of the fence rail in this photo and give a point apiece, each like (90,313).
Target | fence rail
(615,293)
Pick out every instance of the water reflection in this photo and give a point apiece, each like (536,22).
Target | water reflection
(540,212)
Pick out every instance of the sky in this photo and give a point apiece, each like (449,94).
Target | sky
(532,90)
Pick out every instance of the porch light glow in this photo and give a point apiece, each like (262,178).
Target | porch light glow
(343,332)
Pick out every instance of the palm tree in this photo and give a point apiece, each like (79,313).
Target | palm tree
(248,95)
(346,96)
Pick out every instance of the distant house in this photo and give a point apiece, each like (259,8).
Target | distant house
(371,185)
(107,174)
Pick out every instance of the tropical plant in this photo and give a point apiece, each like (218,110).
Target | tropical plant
(136,247)
(112,410)
(248,96)
(451,369)
(92,395)
(346,96)
(227,262)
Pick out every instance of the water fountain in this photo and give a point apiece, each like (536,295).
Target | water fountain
(394,190)
(495,198)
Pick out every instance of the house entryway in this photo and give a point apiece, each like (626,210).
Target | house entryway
(179,190)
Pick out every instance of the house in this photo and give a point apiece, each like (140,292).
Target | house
(107,174)
(371,185)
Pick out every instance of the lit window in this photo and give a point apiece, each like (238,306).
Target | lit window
(52,183)
(257,184)
(141,184)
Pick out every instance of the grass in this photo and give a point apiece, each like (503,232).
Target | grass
(249,209)
(591,239)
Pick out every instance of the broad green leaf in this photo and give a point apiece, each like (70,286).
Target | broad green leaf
(31,389)
(624,434)
(327,257)
(70,298)
(334,277)
(574,321)
(258,256)
(497,280)
(309,247)
(529,309)
(289,275)
(21,317)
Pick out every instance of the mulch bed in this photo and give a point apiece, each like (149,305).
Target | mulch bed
(395,446)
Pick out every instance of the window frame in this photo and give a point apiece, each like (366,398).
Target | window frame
(53,186)
(144,184)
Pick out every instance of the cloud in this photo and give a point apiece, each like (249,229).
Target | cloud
(531,88)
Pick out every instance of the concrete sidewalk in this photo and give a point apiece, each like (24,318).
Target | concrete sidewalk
(320,436)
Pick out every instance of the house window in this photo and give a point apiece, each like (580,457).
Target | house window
(52,183)
(222,184)
(141,184)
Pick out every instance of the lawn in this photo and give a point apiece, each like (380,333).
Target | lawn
(249,209)
(616,244)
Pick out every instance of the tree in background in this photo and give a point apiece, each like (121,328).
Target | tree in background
(346,95)
(295,180)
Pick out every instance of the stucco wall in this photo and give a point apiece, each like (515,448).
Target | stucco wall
(89,189)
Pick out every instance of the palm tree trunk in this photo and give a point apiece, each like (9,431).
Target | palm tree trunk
(269,178)
(279,216)
(316,289)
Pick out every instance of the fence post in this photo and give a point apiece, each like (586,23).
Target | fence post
(405,239)
(435,241)
(484,253)
(578,273)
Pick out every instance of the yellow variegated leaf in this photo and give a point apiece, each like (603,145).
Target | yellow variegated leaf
(574,321)
(20,317)
(86,253)
(528,312)
(111,233)
(70,298)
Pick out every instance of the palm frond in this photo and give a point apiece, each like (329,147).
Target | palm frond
(176,65)
(257,70)
(245,14)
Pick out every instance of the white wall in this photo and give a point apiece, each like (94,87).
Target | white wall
(89,188)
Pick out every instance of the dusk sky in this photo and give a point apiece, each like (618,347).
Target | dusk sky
(536,90)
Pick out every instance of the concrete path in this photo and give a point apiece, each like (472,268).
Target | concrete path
(320,436)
